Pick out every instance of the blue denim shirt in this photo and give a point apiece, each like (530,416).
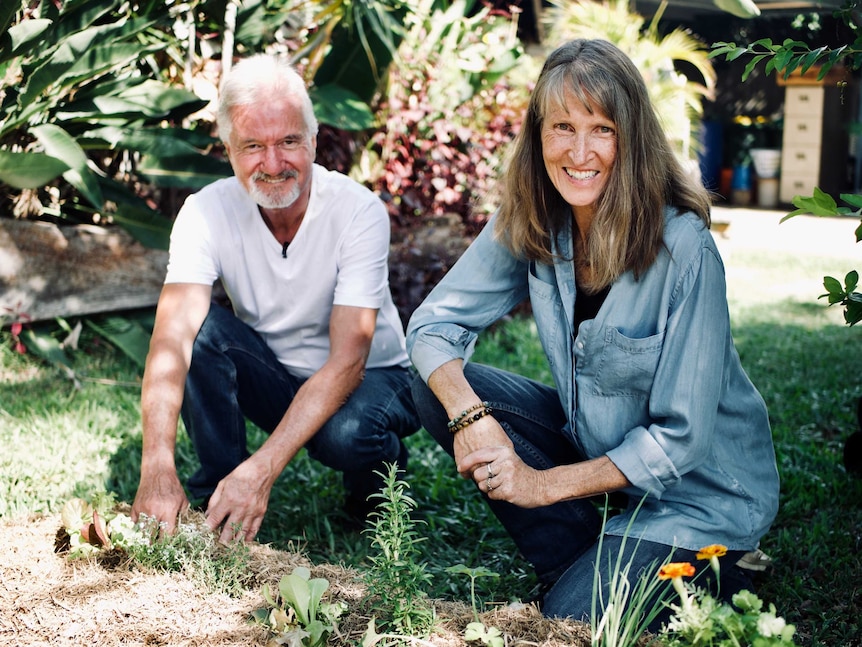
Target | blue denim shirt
(654,381)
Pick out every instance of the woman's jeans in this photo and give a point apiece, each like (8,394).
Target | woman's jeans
(234,375)
(561,541)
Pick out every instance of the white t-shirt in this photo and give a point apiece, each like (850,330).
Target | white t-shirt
(339,256)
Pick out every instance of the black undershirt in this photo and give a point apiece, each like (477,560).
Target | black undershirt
(587,305)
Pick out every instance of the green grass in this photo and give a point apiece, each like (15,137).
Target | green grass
(60,441)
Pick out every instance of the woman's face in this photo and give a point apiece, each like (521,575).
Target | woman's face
(579,149)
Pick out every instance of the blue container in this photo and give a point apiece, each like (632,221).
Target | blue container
(741,178)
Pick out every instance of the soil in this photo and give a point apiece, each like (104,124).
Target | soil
(48,599)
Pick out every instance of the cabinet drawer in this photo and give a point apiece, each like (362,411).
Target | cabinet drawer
(804,101)
(798,184)
(802,130)
(796,159)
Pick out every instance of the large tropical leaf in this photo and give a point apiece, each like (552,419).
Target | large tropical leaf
(19,37)
(339,107)
(193,170)
(361,48)
(7,15)
(58,143)
(29,170)
(146,225)
(126,334)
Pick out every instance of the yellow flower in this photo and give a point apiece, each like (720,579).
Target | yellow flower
(674,570)
(715,550)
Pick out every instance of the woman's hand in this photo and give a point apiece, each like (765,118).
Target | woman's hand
(501,474)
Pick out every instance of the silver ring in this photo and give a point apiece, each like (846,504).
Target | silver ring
(489,484)
(490,473)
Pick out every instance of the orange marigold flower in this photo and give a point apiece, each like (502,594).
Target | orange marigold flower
(715,550)
(674,570)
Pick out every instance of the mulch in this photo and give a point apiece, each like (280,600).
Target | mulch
(48,599)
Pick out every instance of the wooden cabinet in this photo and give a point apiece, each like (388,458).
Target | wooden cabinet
(814,151)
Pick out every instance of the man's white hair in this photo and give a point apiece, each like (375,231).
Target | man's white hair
(260,78)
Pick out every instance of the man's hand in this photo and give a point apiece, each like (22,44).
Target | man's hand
(239,503)
(160,496)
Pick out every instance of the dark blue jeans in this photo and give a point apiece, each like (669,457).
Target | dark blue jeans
(560,540)
(234,375)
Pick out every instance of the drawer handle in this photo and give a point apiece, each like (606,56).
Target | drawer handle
(801,156)
(801,127)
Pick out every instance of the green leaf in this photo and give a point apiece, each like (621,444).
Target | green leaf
(831,284)
(294,589)
(317,588)
(7,15)
(749,67)
(60,144)
(853,199)
(127,335)
(820,204)
(148,227)
(337,106)
(851,281)
(29,170)
(46,347)
(192,170)
(24,33)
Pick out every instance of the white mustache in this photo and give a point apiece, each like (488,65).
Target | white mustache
(266,177)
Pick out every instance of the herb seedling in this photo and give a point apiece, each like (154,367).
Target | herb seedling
(477,630)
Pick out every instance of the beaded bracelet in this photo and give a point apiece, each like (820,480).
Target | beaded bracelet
(457,419)
(469,420)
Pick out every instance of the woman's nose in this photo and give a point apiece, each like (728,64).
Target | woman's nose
(579,148)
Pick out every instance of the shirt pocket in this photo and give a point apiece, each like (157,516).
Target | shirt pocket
(627,365)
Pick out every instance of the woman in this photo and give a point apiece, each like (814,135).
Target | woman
(608,236)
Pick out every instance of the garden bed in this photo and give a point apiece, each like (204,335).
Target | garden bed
(46,598)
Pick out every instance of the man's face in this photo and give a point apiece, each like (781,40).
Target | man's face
(271,152)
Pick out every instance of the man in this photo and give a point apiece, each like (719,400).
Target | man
(313,351)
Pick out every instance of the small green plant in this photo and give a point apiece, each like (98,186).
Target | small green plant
(92,529)
(477,630)
(396,580)
(297,615)
(700,620)
(624,617)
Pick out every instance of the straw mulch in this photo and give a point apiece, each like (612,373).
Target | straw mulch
(48,599)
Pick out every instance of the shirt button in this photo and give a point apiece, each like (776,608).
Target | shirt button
(580,345)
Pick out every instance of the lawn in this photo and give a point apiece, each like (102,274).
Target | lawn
(65,438)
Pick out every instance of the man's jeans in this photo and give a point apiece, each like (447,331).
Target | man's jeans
(234,375)
(559,540)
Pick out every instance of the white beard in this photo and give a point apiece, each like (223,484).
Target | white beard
(276,198)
